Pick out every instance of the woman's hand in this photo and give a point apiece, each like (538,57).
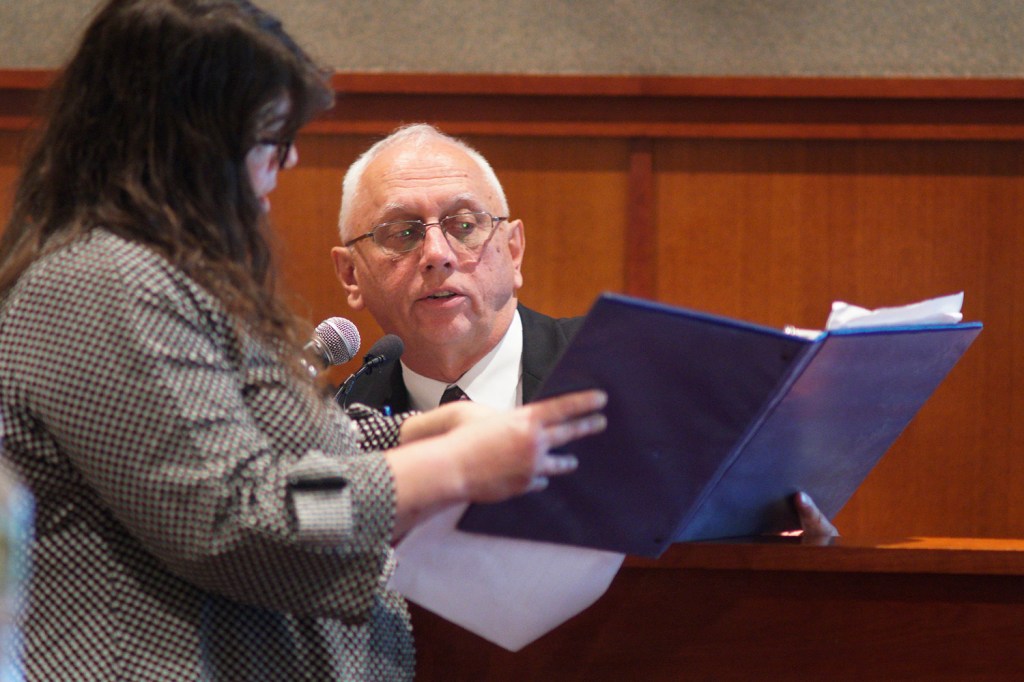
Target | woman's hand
(512,455)
(470,453)
(442,420)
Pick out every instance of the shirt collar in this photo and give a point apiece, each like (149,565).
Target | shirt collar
(494,381)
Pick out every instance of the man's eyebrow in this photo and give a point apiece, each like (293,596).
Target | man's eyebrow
(393,206)
(466,199)
(392,209)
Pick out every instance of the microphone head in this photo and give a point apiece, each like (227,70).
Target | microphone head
(337,340)
(388,348)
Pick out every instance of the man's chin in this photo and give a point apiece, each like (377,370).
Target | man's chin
(435,332)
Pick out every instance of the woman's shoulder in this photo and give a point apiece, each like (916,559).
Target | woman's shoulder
(104,253)
(99,269)
(99,258)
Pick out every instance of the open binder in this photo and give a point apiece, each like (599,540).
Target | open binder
(714,423)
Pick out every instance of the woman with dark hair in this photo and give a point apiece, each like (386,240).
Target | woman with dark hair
(202,513)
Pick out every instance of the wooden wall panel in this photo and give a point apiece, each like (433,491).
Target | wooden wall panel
(760,199)
(571,194)
(11,144)
(773,231)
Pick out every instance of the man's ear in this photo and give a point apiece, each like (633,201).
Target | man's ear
(345,270)
(516,248)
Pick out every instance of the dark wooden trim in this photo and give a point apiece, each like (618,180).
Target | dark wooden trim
(635,86)
(681,86)
(26,79)
(631,85)
(643,106)
(692,117)
(960,556)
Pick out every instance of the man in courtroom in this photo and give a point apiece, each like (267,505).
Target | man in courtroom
(449,293)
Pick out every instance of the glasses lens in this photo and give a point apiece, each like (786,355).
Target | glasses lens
(399,237)
(470,229)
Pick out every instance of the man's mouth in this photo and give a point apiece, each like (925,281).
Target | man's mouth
(442,294)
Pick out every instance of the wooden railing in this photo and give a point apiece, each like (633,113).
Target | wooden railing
(916,609)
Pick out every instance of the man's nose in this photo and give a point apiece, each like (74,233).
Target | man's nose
(437,250)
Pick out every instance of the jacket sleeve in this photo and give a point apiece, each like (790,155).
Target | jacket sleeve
(374,429)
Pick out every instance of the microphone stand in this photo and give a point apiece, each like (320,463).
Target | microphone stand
(346,388)
(369,362)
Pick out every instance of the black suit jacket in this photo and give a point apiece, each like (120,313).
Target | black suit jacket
(544,339)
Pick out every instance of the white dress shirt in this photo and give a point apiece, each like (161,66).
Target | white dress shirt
(494,381)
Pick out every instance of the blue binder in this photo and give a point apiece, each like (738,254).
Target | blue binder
(714,423)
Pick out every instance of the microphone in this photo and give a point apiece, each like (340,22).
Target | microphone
(387,349)
(335,341)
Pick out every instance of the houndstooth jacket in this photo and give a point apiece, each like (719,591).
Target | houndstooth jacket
(199,514)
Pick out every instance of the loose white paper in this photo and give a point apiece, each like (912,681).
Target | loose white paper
(942,310)
(505,590)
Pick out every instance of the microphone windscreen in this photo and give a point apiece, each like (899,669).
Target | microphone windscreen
(389,347)
(338,340)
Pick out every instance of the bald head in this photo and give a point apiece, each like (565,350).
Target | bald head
(412,139)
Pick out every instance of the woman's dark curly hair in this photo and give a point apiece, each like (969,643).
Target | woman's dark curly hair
(147,133)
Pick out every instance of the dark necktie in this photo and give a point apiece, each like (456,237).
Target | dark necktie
(453,393)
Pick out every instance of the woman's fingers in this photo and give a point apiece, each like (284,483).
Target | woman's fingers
(537,483)
(561,423)
(556,465)
(564,407)
(510,453)
(560,433)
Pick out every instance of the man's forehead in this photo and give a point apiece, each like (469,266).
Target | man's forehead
(409,176)
(413,204)
(420,175)
(425,162)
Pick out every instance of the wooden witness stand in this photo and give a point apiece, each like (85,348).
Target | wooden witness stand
(916,609)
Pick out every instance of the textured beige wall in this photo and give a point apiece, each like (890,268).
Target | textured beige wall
(980,38)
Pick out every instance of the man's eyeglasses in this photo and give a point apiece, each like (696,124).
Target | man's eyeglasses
(470,230)
(284,148)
